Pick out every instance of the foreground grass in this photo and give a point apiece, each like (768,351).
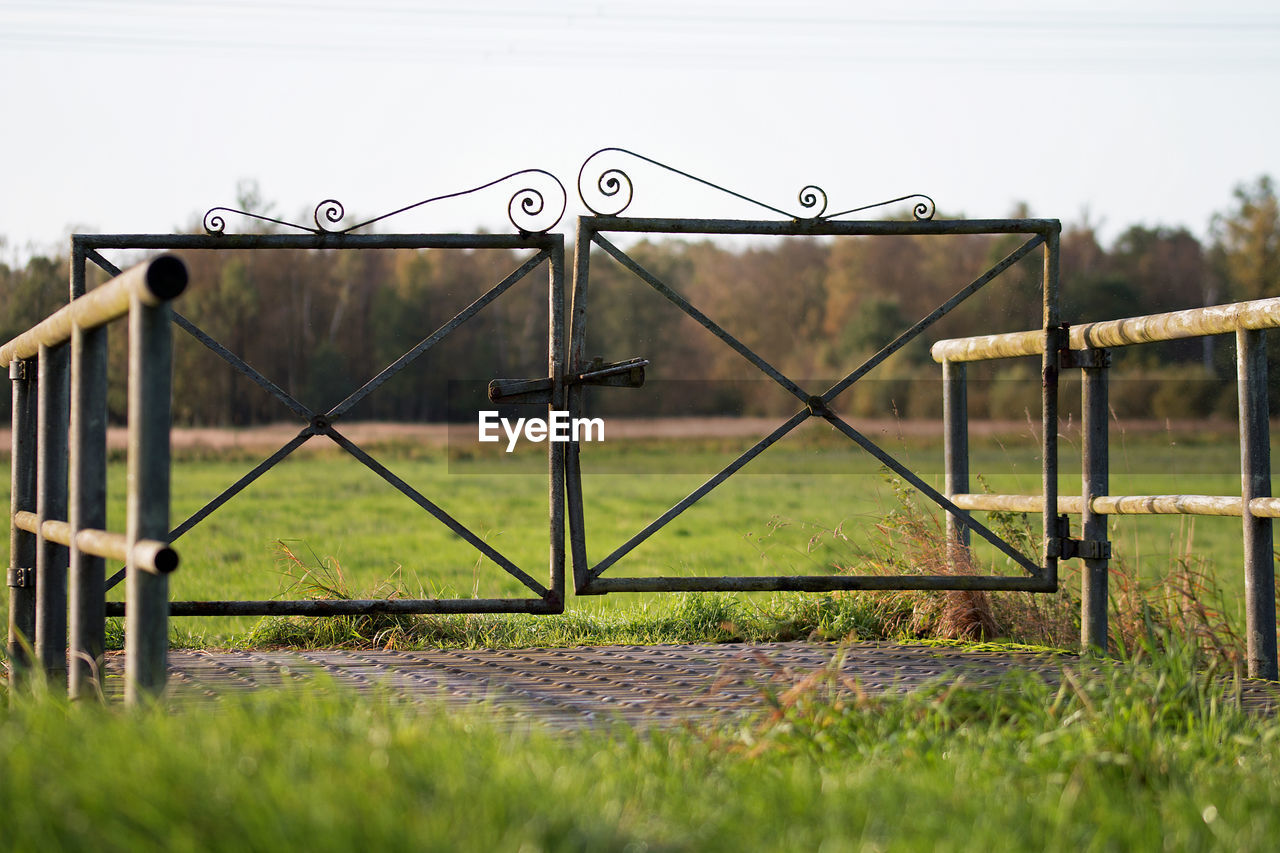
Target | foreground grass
(1145,757)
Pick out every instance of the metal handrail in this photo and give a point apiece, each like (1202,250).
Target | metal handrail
(1086,347)
(59,372)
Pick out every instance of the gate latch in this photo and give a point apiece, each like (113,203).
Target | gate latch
(619,374)
(21,578)
(1063,547)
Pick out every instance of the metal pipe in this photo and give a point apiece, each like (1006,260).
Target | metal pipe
(815,583)
(1255,482)
(1176,325)
(955,451)
(1055,338)
(22,543)
(1214,505)
(177,242)
(150,555)
(151,283)
(51,503)
(1094,483)
(819,227)
(555,457)
(88,505)
(150,393)
(349,607)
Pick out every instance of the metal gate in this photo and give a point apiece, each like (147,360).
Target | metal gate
(532,218)
(612,189)
(563,389)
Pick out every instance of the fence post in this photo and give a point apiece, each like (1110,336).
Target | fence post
(53,401)
(1095,482)
(22,498)
(1255,482)
(150,386)
(88,506)
(955,450)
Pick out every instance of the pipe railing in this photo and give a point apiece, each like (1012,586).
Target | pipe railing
(58,497)
(1087,349)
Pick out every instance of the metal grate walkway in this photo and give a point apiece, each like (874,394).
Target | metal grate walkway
(573,687)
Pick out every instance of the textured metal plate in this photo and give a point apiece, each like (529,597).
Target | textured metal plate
(576,687)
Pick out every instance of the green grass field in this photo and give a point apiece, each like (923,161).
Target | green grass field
(809,505)
(1155,754)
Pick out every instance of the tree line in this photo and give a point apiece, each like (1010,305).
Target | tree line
(320,323)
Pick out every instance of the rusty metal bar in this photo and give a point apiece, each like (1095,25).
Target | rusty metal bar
(818,227)
(443,517)
(697,494)
(22,543)
(243,483)
(1255,482)
(574,396)
(555,457)
(955,451)
(352,607)
(88,505)
(938,313)
(702,319)
(150,396)
(314,241)
(1054,340)
(51,504)
(819,583)
(930,492)
(1095,467)
(243,367)
(1176,325)
(239,364)
(435,337)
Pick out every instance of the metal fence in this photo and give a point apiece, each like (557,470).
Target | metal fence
(1085,347)
(59,378)
(59,374)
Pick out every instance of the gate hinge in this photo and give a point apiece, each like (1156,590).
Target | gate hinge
(18,369)
(621,374)
(1085,549)
(1063,547)
(22,578)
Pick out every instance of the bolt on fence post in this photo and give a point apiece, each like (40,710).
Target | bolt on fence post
(53,402)
(88,507)
(22,498)
(147,604)
(1095,482)
(955,451)
(1255,482)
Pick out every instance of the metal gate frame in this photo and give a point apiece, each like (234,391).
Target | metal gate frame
(614,184)
(526,202)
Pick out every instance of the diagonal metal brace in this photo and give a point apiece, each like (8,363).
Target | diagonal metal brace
(619,374)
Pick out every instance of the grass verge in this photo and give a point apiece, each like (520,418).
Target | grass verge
(1147,756)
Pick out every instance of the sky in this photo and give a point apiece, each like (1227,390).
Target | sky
(137,117)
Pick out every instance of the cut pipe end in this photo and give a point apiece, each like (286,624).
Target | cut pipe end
(166,277)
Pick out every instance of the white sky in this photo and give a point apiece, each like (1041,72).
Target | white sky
(138,116)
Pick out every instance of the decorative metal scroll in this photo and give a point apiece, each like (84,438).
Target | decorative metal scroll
(526,207)
(614,189)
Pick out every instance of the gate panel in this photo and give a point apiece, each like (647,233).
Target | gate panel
(547,249)
(615,186)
